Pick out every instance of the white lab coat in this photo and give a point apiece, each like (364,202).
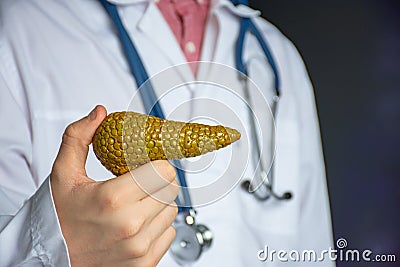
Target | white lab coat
(58,59)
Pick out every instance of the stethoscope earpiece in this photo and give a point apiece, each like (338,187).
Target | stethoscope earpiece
(246,186)
(287,195)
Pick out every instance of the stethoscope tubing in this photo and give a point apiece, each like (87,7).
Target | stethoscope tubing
(148,96)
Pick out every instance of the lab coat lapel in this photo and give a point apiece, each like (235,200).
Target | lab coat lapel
(221,33)
(159,51)
(154,27)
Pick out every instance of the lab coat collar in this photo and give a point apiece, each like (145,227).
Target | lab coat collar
(239,10)
(164,37)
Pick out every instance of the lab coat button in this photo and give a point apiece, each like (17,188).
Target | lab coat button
(190,47)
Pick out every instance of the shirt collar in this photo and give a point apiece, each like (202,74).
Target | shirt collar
(239,10)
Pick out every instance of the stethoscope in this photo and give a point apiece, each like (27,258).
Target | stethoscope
(192,239)
(265,191)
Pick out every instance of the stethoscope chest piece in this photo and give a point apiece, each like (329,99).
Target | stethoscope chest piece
(191,239)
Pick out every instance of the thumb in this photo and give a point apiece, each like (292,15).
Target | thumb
(76,139)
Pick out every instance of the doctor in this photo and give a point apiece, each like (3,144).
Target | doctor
(59,59)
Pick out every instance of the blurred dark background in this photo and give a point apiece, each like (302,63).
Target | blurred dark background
(352,52)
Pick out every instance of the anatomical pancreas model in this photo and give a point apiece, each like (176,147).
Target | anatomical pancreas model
(126,140)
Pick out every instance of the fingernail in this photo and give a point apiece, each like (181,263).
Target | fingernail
(92,114)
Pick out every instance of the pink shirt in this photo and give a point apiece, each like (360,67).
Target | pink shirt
(187,20)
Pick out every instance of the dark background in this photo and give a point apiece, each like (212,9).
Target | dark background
(351,49)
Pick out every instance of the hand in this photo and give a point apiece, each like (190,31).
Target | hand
(111,223)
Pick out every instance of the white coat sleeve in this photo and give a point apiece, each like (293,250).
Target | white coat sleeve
(30,234)
(315,218)
(314,230)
